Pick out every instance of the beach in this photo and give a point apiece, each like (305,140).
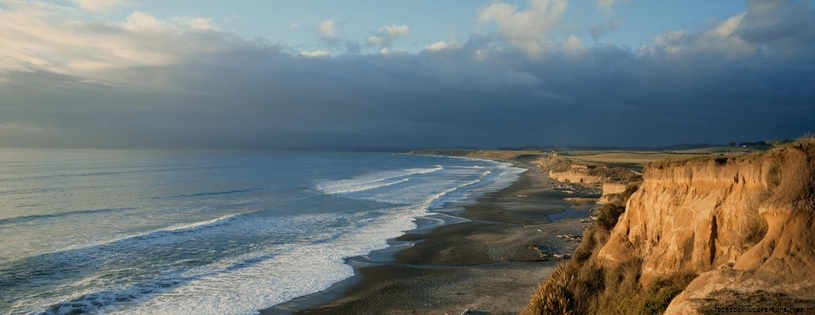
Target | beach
(485,264)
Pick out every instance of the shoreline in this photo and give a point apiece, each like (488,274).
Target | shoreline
(484,263)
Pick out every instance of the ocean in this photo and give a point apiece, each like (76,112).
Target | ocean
(208,232)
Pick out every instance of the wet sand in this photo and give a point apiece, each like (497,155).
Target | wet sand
(484,265)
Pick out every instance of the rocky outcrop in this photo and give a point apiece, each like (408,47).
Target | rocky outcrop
(613,188)
(744,224)
(612,180)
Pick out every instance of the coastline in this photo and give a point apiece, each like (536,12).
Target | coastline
(483,264)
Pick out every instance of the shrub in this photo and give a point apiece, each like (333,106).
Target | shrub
(609,215)
(584,251)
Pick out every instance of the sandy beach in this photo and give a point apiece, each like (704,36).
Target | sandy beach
(484,264)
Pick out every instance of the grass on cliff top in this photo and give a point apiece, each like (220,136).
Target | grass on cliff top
(631,160)
(806,140)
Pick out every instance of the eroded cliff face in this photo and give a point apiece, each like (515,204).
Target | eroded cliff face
(743,224)
(612,180)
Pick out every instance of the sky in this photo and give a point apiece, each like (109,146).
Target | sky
(309,74)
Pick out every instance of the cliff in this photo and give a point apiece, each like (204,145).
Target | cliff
(744,224)
(612,180)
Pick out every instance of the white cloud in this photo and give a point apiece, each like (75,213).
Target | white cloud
(294,26)
(389,51)
(316,53)
(327,29)
(140,21)
(36,39)
(394,30)
(722,40)
(98,5)
(526,30)
(442,45)
(386,34)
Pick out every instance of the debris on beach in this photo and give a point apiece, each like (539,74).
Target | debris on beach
(561,256)
(466,312)
(571,237)
(541,254)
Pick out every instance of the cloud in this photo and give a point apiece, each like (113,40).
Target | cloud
(394,30)
(386,34)
(316,53)
(42,42)
(98,5)
(327,29)
(140,21)
(165,83)
(527,29)
(442,45)
(768,29)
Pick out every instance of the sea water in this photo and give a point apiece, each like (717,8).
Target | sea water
(193,232)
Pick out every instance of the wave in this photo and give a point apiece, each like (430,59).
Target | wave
(368,186)
(33,217)
(437,201)
(158,233)
(101,300)
(217,193)
(373,181)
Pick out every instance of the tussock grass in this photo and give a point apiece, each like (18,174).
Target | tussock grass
(799,143)
(552,297)
(609,215)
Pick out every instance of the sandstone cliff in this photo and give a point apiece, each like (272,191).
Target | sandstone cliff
(744,224)
(612,180)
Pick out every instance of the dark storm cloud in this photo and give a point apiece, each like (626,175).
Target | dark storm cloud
(748,78)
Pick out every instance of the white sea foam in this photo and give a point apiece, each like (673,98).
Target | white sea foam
(125,296)
(372,181)
(298,271)
(357,187)
(157,233)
